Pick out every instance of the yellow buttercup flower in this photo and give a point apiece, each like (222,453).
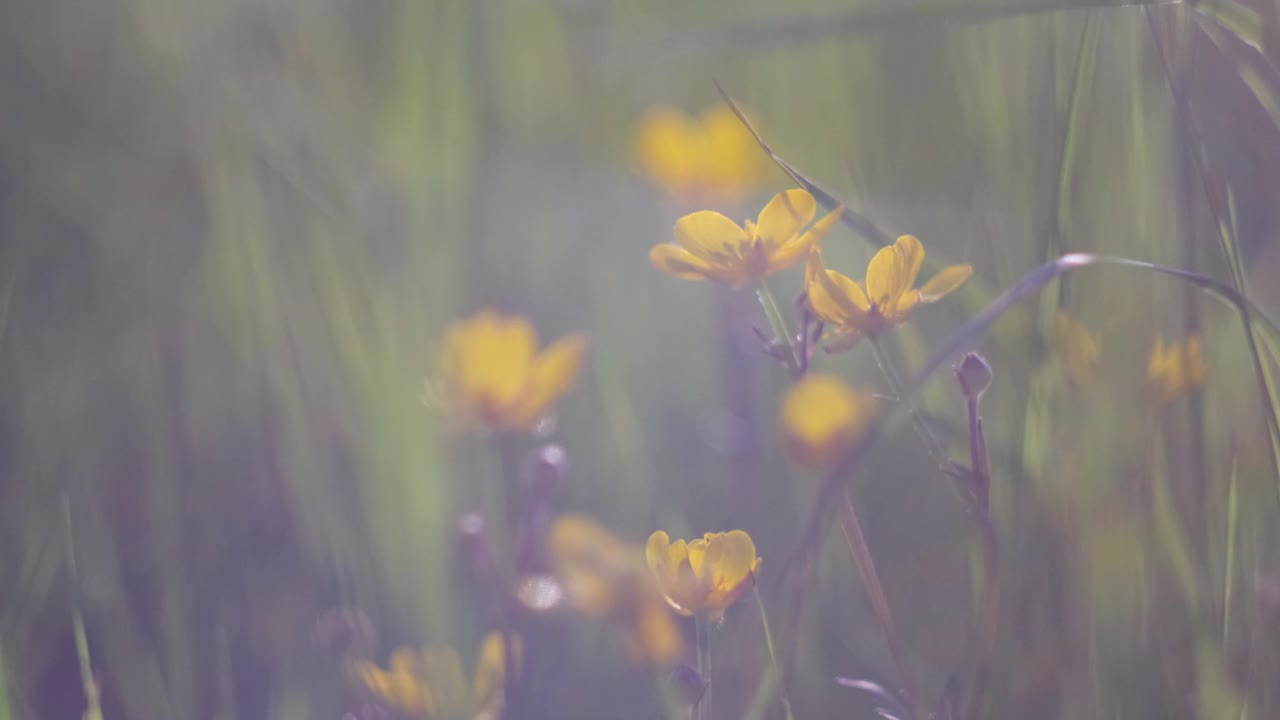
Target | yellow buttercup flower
(885,299)
(823,418)
(493,377)
(604,577)
(703,576)
(430,685)
(711,157)
(1076,347)
(710,246)
(1175,370)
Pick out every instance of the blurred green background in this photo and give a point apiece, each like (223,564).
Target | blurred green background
(232,234)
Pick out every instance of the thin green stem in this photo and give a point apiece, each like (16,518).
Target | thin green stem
(778,324)
(773,656)
(917,418)
(702,628)
(866,565)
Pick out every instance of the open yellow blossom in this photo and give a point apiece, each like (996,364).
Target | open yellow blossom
(886,298)
(710,246)
(703,576)
(823,418)
(604,577)
(1075,347)
(713,156)
(430,685)
(493,377)
(1175,370)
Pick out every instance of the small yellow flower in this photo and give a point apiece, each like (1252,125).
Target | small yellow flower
(706,575)
(710,246)
(604,577)
(493,377)
(1175,370)
(431,686)
(711,157)
(822,419)
(1078,350)
(886,298)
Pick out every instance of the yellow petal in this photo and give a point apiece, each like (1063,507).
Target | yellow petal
(675,260)
(899,309)
(447,685)
(912,253)
(657,553)
(794,249)
(731,557)
(887,271)
(945,282)
(551,374)
(710,236)
(491,666)
(834,297)
(782,219)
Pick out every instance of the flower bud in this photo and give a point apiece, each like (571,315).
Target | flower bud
(973,372)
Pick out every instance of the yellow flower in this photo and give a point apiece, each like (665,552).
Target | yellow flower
(1077,349)
(713,156)
(822,419)
(604,577)
(1175,370)
(492,377)
(887,297)
(706,575)
(710,246)
(431,686)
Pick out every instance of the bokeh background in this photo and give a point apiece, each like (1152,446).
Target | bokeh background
(232,235)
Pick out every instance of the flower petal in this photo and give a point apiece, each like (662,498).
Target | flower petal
(793,249)
(912,254)
(710,236)
(551,374)
(945,282)
(731,557)
(675,260)
(834,297)
(899,309)
(491,666)
(887,273)
(782,219)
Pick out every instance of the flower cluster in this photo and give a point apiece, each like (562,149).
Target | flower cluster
(430,684)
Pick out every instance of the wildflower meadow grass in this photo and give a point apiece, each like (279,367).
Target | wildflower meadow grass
(563,359)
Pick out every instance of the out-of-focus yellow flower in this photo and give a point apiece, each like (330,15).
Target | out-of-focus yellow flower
(606,578)
(1175,370)
(823,418)
(713,157)
(430,685)
(1076,348)
(886,298)
(704,576)
(493,377)
(710,246)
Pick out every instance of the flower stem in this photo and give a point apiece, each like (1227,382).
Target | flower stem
(702,628)
(773,656)
(857,542)
(778,325)
(917,418)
